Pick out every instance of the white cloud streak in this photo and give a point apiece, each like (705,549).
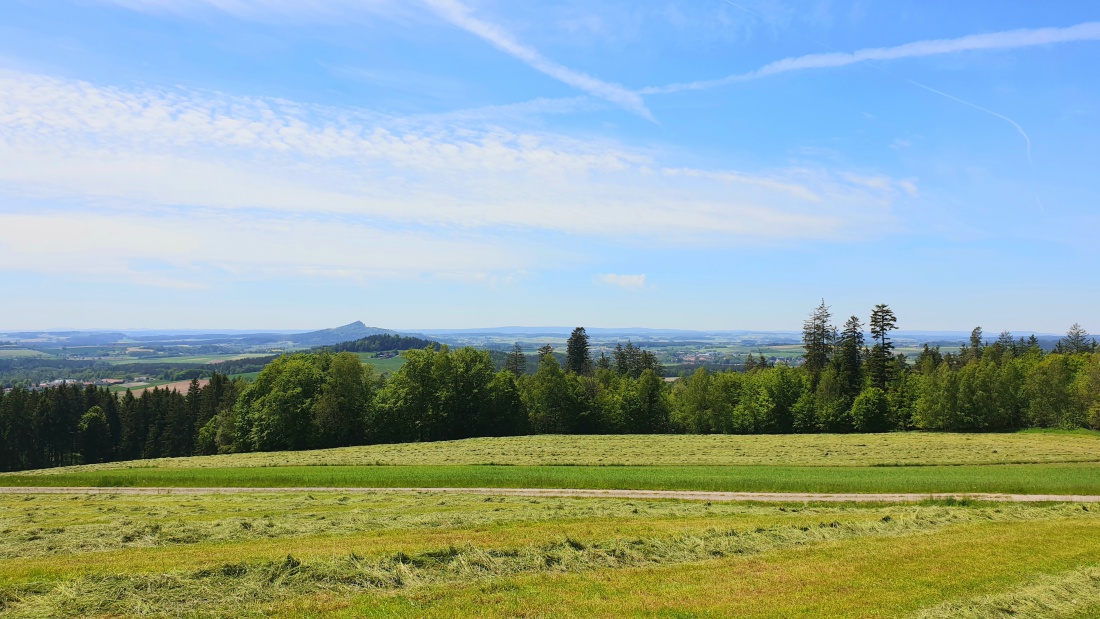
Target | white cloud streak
(630,282)
(1012,39)
(460,15)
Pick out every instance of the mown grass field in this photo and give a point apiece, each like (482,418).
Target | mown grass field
(423,554)
(386,555)
(1081,479)
(893,449)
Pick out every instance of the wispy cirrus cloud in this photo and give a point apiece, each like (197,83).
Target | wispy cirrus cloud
(192,185)
(1011,39)
(268,9)
(462,16)
(454,12)
(63,139)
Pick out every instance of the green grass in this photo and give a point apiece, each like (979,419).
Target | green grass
(902,448)
(423,554)
(967,571)
(385,554)
(1022,479)
(382,366)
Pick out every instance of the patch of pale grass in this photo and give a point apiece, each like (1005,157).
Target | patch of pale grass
(893,449)
(241,588)
(1059,596)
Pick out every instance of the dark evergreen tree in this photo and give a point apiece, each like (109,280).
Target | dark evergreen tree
(1033,344)
(879,367)
(578,360)
(975,350)
(849,359)
(817,340)
(517,361)
(1076,341)
(604,362)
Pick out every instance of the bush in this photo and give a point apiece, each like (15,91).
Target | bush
(871,411)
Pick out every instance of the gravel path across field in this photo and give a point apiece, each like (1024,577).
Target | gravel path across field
(687,495)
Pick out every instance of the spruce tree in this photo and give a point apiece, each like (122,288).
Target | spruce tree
(849,358)
(604,362)
(883,321)
(1076,341)
(516,362)
(577,358)
(817,340)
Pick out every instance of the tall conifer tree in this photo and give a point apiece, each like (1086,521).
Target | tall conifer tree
(883,321)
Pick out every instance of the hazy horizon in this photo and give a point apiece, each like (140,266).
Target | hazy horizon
(556,329)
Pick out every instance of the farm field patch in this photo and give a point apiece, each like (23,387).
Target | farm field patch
(180,385)
(382,366)
(22,353)
(183,359)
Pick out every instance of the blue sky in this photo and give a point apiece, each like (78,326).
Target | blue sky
(446,163)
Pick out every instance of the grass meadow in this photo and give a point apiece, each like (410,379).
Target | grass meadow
(1083,479)
(420,554)
(870,450)
(382,366)
(423,554)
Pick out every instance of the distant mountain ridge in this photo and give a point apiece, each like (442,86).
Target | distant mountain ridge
(328,337)
(310,339)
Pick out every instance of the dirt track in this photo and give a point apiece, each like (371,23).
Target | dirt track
(686,495)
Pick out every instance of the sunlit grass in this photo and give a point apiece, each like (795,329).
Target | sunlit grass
(893,449)
(449,551)
(1016,479)
(860,577)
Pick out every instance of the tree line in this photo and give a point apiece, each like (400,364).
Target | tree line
(83,424)
(330,399)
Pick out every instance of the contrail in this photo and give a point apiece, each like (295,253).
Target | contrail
(460,15)
(1009,39)
(981,109)
(1008,120)
(1087,31)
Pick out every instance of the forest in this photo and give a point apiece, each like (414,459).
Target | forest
(327,398)
(381,342)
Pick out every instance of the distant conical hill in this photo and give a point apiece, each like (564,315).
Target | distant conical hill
(328,337)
